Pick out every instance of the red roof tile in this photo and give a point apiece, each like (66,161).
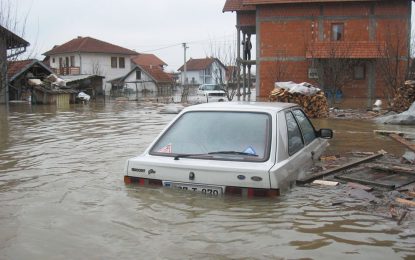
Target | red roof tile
(354,50)
(260,2)
(88,44)
(14,68)
(250,5)
(157,73)
(236,5)
(198,64)
(147,60)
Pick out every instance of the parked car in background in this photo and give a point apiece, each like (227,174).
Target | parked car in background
(210,93)
(249,149)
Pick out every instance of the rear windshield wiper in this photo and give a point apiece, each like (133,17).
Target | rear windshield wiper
(234,152)
(178,156)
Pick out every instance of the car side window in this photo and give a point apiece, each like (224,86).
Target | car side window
(307,128)
(295,140)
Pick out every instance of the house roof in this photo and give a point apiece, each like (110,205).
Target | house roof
(148,59)
(16,68)
(157,73)
(248,5)
(89,44)
(154,72)
(237,5)
(199,64)
(354,50)
(12,40)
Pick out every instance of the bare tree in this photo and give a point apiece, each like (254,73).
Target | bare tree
(280,68)
(394,60)
(226,53)
(333,65)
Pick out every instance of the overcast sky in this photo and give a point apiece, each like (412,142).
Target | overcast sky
(154,26)
(148,26)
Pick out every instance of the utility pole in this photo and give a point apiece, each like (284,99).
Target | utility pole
(185,66)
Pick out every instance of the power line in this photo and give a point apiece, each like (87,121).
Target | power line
(205,41)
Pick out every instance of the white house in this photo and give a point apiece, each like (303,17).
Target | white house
(86,55)
(144,79)
(203,71)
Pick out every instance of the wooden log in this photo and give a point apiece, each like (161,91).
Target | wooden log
(337,169)
(403,141)
(405,202)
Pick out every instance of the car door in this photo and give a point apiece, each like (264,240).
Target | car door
(296,148)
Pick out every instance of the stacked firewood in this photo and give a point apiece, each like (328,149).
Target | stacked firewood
(404,97)
(315,106)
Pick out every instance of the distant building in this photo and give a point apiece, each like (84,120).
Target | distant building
(143,79)
(86,55)
(8,41)
(298,34)
(203,71)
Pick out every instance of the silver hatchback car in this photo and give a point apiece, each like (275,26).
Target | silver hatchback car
(250,149)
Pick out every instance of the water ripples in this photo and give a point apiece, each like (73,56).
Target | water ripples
(62,195)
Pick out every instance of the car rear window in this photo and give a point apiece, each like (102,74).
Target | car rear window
(218,135)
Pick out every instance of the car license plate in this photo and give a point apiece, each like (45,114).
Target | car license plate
(206,189)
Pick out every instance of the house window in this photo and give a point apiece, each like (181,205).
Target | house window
(121,62)
(66,61)
(53,60)
(337,31)
(359,72)
(72,61)
(113,62)
(60,62)
(138,74)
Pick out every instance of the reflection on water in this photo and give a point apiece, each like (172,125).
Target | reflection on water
(62,195)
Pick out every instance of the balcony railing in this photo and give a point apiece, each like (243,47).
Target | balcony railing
(67,71)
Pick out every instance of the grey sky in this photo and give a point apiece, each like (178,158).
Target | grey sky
(157,26)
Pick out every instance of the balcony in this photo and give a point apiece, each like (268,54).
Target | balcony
(67,71)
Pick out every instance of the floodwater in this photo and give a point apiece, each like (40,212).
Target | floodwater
(62,196)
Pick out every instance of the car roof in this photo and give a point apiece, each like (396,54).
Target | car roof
(242,106)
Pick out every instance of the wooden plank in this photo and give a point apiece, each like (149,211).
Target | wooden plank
(392,169)
(337,169)
(327,183)
(410,193)
(373,183)
(403,141)
(359,186)
(406,202)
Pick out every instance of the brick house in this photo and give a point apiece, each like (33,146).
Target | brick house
(295,35)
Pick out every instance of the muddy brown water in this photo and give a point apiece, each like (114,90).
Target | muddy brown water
(62,196)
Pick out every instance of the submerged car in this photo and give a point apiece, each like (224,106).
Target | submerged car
(249,149)
(210,93)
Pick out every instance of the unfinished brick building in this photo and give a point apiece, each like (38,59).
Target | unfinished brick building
(294,37)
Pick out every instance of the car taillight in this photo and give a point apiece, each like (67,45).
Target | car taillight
(142,181)
(251,192)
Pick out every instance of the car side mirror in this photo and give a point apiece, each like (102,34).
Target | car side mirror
(325,133)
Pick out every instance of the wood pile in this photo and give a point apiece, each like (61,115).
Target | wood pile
(404,97)
(315,106)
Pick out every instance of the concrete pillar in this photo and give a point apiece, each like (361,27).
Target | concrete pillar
(238,63)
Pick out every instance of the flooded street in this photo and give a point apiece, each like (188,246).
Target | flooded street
(62,196)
